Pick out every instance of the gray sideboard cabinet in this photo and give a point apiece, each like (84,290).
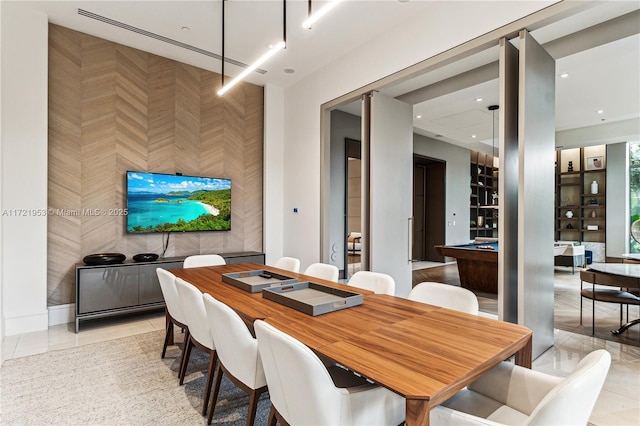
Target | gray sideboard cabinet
(108,290)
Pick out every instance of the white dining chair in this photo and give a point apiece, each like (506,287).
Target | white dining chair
(446,296)
(238,355)
(173,308)
(289,263)
(377,282)
(512,395)
(305,392)
(199,333)
(323,271)
(198,260)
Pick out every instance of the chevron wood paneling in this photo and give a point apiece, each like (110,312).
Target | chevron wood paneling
(112,109)
(212,149)
(131,133)
(64,235)
(253,166)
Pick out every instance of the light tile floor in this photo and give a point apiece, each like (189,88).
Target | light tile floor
(617,405)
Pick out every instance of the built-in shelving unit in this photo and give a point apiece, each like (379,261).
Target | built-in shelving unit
(580,204)
(483,200)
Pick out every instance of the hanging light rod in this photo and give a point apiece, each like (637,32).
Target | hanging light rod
(272,51)
(261,60)
(312,18)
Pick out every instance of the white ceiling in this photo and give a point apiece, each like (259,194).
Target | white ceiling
(250,27)
(604,77)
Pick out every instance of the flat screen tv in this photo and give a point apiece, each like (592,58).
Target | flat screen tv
(174,203)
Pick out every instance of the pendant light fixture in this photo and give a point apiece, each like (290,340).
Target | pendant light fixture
(493,109)
(265,57)
(313,17)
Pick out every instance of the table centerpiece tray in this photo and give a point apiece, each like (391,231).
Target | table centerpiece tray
(312,298)
(255,281)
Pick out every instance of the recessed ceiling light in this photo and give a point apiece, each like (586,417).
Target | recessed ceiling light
(479,99)
(186,29)
(289,70)
(600,111)
(418,116)
(473,136)
(564,75)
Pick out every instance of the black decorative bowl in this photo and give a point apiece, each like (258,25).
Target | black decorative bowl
(145,257)
(104,259)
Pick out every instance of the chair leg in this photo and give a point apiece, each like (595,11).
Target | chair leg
(581,310)
(277,417)
(627,312)
(166,338)
(593,314)
(254,396)
(620,315)
(272,416)
(184,349)
(186,353)
(213,356)
(168,321)
(216,390)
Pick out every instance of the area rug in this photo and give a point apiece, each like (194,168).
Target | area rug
(118,382)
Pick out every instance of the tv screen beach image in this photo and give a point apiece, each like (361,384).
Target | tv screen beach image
(171,203)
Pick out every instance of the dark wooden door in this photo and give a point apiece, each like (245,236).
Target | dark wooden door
(428,208)
(419,211)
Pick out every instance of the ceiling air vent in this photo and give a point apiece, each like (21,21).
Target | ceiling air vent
(163,39)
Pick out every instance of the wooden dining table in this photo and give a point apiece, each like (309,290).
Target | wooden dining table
(422,352)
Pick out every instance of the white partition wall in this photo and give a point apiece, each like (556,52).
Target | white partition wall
(536,140)
(390,151)
(24,170)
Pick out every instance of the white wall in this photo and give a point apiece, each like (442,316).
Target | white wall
(24,170)
(457,182)
(449,24)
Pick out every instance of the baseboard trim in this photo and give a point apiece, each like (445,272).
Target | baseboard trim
(26,324)
(62,314)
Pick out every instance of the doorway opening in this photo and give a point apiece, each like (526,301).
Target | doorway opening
(353,206)
(429,213)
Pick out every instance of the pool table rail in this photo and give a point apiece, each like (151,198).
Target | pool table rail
(477,265)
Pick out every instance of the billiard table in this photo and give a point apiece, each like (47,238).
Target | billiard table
(477,265)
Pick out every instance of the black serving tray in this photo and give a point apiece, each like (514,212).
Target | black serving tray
(311,298)
(255,281)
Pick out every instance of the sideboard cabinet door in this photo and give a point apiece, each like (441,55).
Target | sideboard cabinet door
(107,288)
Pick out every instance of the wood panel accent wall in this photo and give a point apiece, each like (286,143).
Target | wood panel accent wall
(112,109)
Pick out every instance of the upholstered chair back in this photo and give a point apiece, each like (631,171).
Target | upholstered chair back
(236,347)
(289,263)
(195,313)
(377,282)
(203,260)
(446,296)
(323,271)
(170,293)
